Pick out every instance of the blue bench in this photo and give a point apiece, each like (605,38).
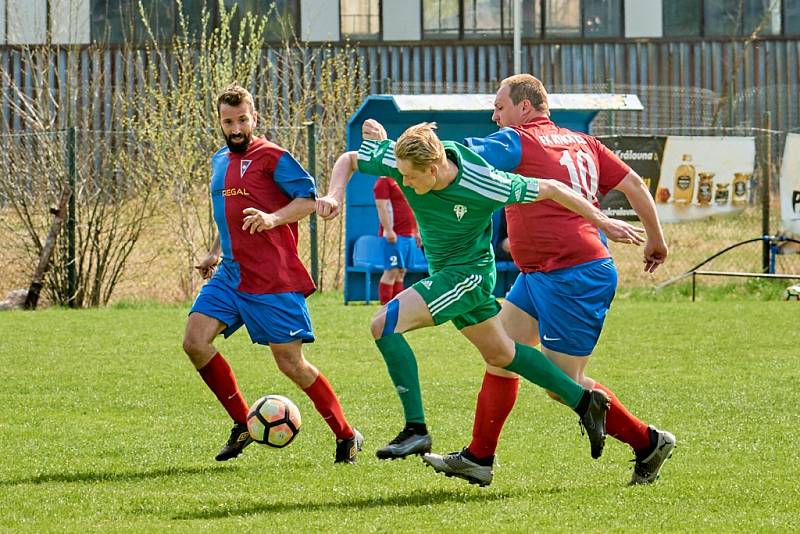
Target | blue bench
(368,261)
(368,264)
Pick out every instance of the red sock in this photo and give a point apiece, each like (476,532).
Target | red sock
(495,401)
(219,378)
(398,288)
(385,292)
(621,424)
(327,404)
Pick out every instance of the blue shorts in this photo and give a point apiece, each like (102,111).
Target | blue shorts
(269,318)
(398,255)
(569,304)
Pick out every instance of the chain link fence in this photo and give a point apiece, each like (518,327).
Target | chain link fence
(140,230)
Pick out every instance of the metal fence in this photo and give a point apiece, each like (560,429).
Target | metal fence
(724,83)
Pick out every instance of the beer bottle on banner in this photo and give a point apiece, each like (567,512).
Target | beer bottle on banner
(740,180)
(722,195)
(705,188)
(684,181)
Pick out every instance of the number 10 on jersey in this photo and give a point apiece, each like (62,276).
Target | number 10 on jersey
(582,173)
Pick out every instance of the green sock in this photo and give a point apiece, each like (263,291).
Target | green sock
(534,366)
(402,367)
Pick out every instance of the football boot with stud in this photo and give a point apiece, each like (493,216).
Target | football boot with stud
(347,449)
(594,421)
(456,464)
(240,438)
(407,442)
(649,463)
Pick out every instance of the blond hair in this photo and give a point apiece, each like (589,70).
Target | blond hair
(234,95)
(419,145)
(526,87)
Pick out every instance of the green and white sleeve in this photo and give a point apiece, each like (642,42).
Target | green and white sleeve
(523,189)
(377,158)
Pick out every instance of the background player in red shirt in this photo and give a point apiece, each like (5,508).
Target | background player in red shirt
(400,236)
(568,278)
(258,192)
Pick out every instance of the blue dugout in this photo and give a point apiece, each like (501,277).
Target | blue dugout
(458,116)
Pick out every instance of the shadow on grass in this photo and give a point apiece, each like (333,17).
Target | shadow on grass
(413,498)
(114,476)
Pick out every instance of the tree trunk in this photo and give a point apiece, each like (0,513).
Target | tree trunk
(47,250)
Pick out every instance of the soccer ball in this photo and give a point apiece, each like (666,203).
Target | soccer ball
(273,420)
(792,293)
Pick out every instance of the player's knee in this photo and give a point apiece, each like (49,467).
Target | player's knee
(377,323)
(498,358)
(384,322)
(191,347)
(288,366)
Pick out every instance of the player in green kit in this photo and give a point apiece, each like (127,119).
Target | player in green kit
(453,192)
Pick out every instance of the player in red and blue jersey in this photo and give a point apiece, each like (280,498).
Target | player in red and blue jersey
(568,277)
(258,193)
(400,236)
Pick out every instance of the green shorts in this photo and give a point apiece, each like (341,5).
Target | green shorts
(460,294)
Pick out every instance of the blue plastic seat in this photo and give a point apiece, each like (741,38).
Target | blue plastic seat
(367,259)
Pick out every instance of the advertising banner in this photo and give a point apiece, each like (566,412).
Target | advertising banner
(643,155)
(704,176)
(689,177)
(790,185)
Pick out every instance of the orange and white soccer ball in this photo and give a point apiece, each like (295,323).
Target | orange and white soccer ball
(273,420)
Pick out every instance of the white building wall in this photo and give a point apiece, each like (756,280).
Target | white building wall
(319,20)
(2,21)
(402,20)
(69,21)
(643,18)
(27,21)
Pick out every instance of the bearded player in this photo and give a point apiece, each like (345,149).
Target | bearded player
(258,193)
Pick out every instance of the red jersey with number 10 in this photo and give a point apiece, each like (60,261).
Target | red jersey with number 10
(545,235)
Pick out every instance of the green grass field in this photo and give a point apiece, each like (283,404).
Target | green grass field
(104,426)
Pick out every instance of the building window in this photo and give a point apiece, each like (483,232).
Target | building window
(120,21)
(360,19)
(476,19)
(562,18)
(485,18)
(441,19)
(682,18)
(762,17)
(791,18)
(602,18)
(745,17)
(531,18)
(281,16)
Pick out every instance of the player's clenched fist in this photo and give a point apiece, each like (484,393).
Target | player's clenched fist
(207,267)
(257,221)
(373,130)
(327,207)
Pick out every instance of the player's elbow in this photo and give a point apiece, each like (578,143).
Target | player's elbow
(349,160)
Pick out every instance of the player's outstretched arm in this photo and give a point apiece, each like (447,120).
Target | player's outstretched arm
(329,206)
(655,249)
(256,220)
(618,231)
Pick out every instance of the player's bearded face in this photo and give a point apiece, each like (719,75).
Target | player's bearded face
(237,123)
